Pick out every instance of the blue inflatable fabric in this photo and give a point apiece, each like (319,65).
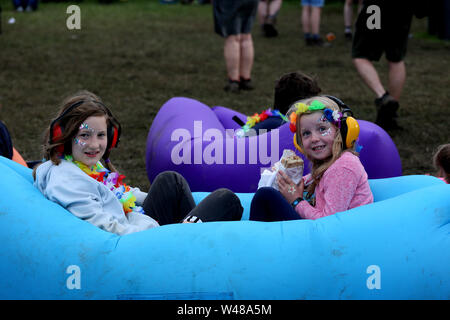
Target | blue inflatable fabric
(47,253)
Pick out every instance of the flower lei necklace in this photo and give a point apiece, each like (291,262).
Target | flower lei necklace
(113,181)
(256,118)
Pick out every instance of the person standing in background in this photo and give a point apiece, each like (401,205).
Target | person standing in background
(233,20)
(267,13)
(348,17)
(383,26)
(311,11)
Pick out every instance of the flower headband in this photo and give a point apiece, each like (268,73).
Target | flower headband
(333,116)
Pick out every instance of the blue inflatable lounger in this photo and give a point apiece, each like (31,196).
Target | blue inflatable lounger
(395,248)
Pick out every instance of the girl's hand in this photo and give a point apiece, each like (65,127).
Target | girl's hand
(288,188)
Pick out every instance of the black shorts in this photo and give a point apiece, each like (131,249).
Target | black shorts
(391,38)
(233,17)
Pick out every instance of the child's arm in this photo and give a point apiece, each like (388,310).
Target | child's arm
(82,202)
(338,190)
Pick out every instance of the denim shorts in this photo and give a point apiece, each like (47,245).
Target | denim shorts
(234,17)
(313,3)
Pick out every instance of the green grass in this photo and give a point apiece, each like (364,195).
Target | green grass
(138,54)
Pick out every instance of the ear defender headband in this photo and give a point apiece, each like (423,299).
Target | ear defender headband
(113,130)
(348,126)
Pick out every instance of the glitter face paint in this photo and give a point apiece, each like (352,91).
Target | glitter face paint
(317,136)
(89,144)
(77,141)
(326,132)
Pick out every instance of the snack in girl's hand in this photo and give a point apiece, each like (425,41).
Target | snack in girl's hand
(291,160)
(289,163)
(292,165)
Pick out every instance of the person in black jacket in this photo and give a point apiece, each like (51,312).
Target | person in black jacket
(6,147)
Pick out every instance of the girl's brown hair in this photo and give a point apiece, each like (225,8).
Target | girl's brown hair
(91,106)
(318,167)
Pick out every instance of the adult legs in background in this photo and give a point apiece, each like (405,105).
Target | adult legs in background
(315,20)
(233,20)
(239,56)
(369,75)
(311,25)
(247,56)
(348,17)
(269,204)
(391,38)
(232,54)
(397,78)
(386,104)
(267,12)
(306,23)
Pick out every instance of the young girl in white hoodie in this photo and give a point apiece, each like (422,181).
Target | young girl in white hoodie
(82,134)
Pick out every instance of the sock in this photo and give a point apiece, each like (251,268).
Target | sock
(308,36)
(315,36)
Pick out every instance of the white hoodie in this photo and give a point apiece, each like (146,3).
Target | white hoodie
(88,199)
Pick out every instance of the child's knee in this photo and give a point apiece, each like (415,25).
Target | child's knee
(231,200)
(168,177)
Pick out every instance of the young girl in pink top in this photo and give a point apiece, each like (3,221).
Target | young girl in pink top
(326,134)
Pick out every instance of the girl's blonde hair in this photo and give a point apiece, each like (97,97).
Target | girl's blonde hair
(91,106)
(318,167)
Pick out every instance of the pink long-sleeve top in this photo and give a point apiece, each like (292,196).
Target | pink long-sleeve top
(344,185)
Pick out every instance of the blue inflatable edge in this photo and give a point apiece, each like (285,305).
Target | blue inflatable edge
(395,187)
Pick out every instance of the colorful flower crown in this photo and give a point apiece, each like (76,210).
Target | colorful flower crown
(333,116)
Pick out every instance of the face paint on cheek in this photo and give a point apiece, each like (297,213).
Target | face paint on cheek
(78,142)
(326,133)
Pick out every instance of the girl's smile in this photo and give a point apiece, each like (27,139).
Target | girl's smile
(317,136)
(89,144)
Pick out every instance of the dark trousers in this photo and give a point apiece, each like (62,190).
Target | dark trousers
(268,204)
(169,200)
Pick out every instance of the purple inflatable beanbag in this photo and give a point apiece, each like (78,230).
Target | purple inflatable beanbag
(190,138)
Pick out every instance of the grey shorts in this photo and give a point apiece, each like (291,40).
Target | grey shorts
(233,17)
